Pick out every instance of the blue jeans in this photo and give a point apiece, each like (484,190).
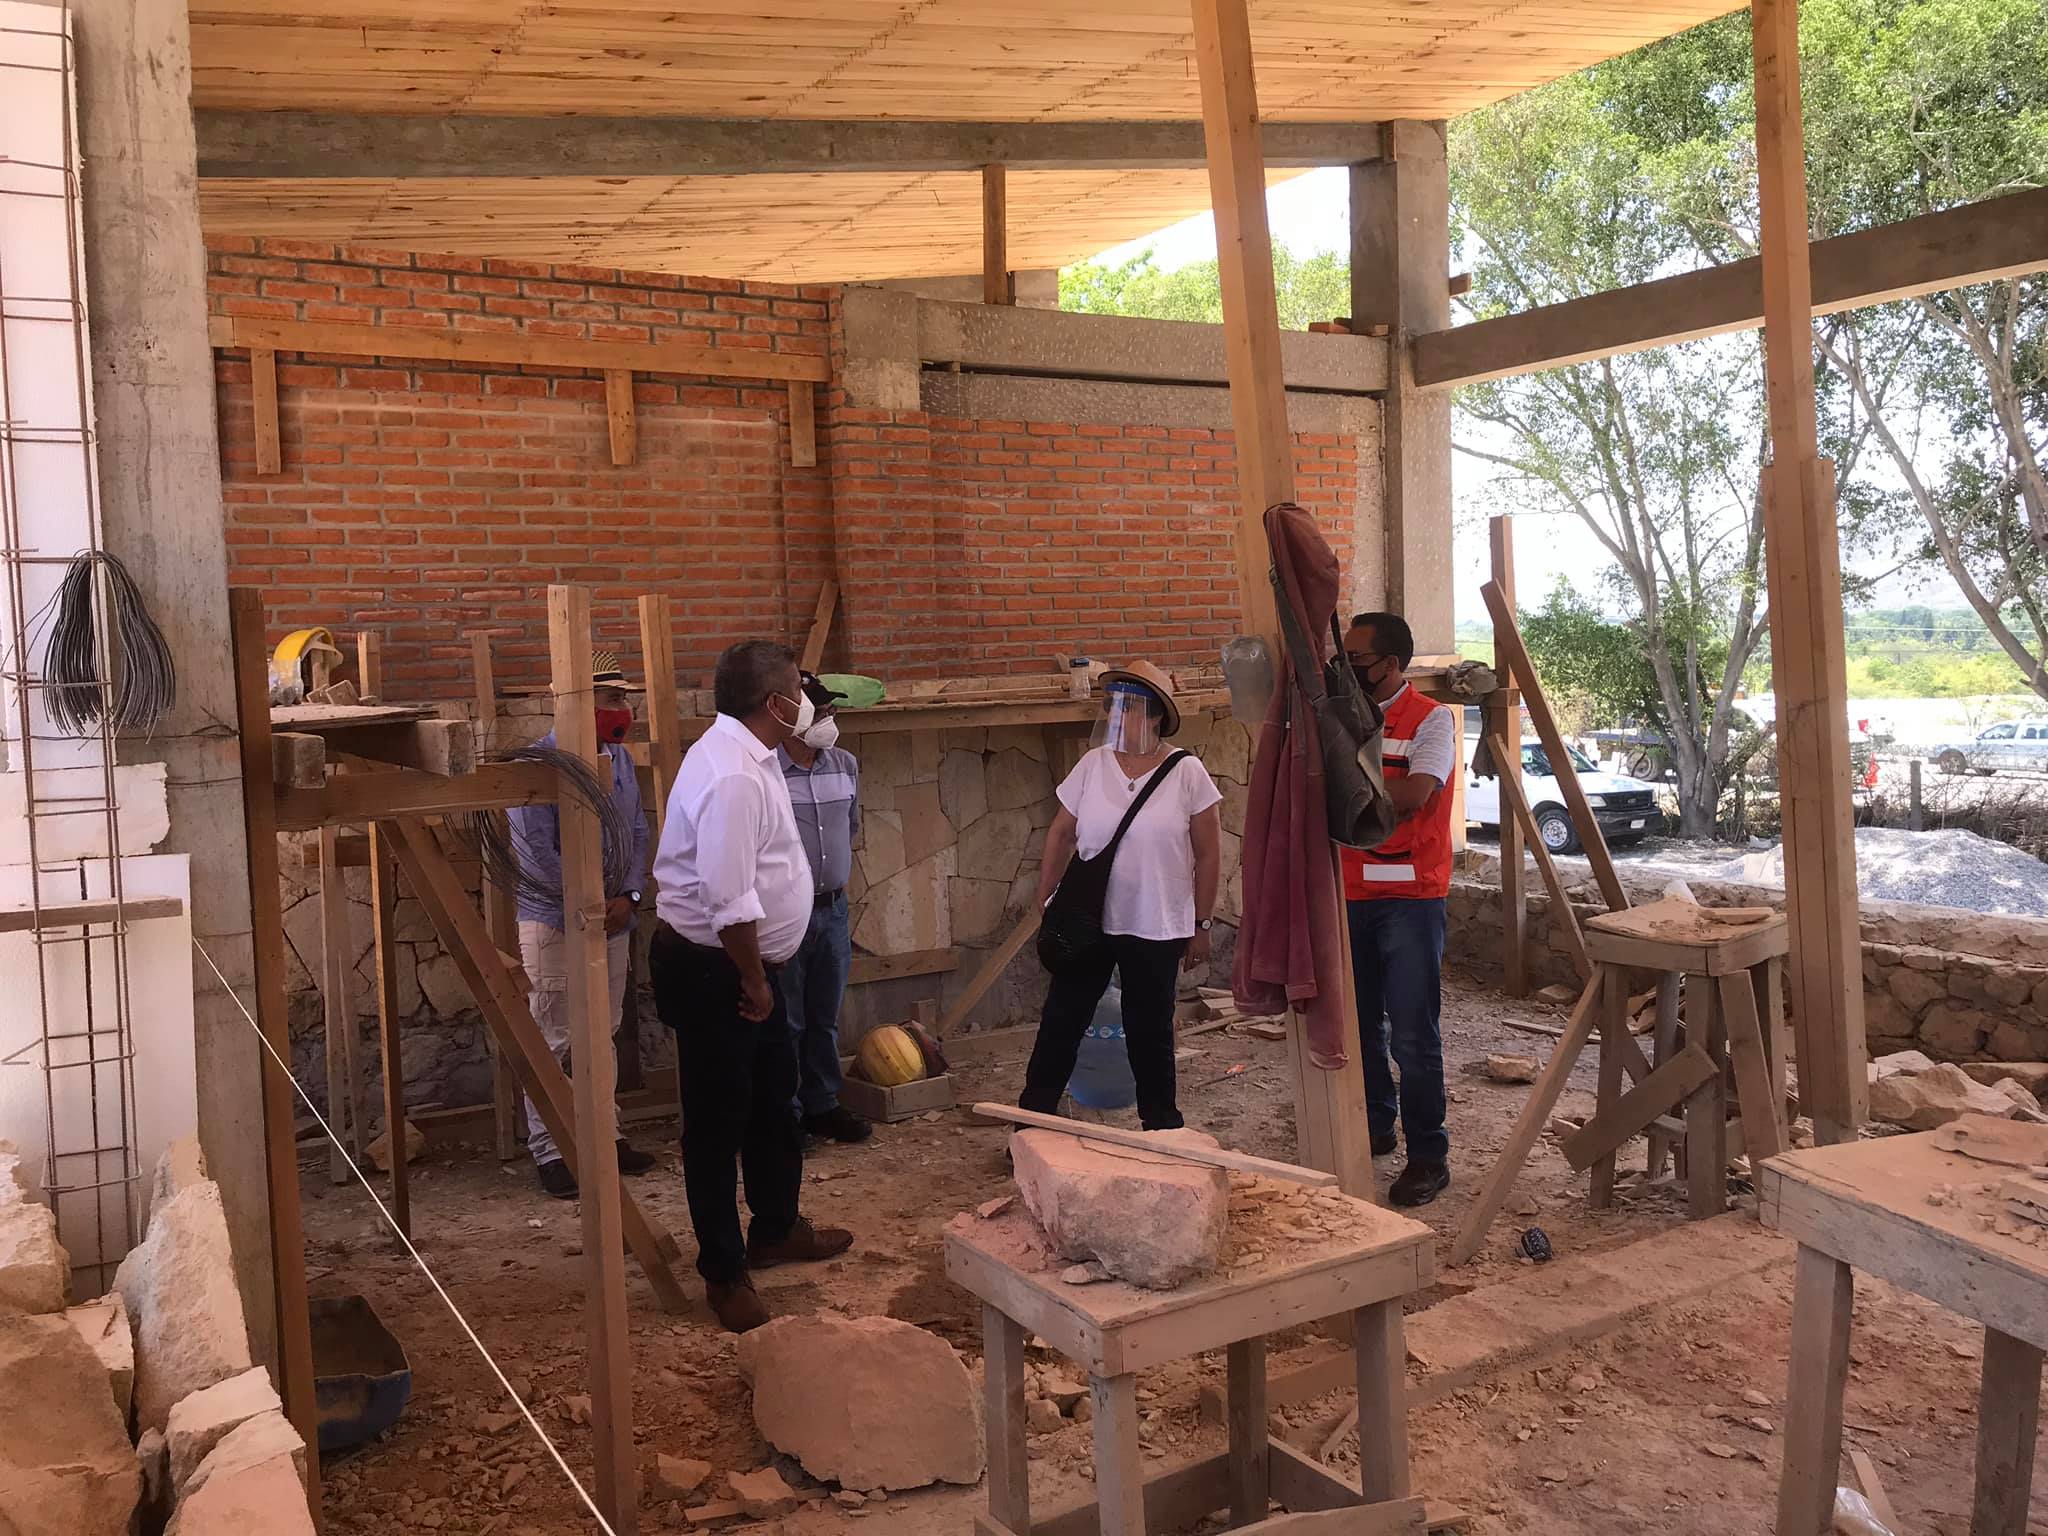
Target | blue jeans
(1397,952)
(813,985)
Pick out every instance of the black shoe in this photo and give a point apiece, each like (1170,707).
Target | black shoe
(1420,1183)
(557,1180)
(838,1124)
(632,1159)
(1382,1145)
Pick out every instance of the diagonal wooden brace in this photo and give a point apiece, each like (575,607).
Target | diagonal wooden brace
(461,930)
(1632,1113)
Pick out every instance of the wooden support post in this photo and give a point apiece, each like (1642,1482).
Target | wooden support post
(1503,721)
(609,1360)
(369,665)
(998,286)
(344,1090)
(1245,1415)
(266,916)
(664,722)
(1400,266)
(803,424)
(1009,1462)
(483,677)
(501,922)
(1119,1473)
(1822,1302)
(1761,1098)
(821,625)
(1613,1030)
(1706,1107)
(1804,569)
(384,950)
(1507,763)
(1663,1046)
(621,423)
(2008,1414)
(1378,1335)
(1508,644)
(263,386)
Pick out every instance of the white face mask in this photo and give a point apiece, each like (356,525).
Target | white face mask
(822,734)
(806,713)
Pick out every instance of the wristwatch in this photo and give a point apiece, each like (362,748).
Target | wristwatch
(1205,923)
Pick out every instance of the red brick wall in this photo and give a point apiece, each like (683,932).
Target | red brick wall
(427,500)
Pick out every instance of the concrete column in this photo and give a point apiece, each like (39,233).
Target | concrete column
(160,505)
(1400,278)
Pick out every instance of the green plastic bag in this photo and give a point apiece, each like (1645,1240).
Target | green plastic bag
(861,692)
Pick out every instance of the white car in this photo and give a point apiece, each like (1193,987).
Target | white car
(1625,808)
(2014,745)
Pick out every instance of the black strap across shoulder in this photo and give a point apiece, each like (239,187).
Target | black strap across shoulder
(1108,854)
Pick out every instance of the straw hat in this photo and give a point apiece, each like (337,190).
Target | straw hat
(1154,680)
(605,673)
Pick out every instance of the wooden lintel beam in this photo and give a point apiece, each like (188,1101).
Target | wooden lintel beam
(359,797)
(1977,243)
(319,145)
(515,350)
(445,748)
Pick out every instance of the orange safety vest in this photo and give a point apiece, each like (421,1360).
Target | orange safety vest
(1416,860)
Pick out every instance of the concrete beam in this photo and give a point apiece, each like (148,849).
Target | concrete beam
(997,339)
(1977,243)
(280,145)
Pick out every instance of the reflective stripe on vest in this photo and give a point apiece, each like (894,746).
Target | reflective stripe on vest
(1416,860)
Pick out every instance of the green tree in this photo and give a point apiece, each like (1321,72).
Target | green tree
(1309,289)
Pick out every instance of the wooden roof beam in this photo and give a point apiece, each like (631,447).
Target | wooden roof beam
(1977,243)
(274,145)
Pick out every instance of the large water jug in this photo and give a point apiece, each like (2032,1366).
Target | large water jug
(1102,1069)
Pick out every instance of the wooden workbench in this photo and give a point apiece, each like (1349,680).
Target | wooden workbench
(1866,1205)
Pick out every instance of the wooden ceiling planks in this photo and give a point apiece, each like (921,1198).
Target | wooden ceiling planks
(1028,61)
(788,228)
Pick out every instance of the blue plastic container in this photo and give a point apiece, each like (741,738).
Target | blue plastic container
(1102,1070)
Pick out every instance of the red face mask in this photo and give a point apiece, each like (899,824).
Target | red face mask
(612,724)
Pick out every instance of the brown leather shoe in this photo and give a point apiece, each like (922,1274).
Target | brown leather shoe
(736,1305)
(805,1244)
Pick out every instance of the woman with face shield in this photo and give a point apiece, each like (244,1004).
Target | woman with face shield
(1160,896)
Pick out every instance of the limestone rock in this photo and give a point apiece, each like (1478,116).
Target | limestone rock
(268,1497)
(1016,780)
(676,1477)
(2025,1105)
(1511,1069)
(66,1468)
(2032,1075)
(1154,1221)
(991,848)
(181,1166)
(440,980)
(34,1269)
(925,828)
(379,1149)
(963,791)
(1042,1416)
(979,907)
(762,1494)
(896,1410)
(16,1181)
(103,1324)
(153,1460)
(1920,1101)
(200,1422)
(179,1288)
(1901,1061)
(266,1437)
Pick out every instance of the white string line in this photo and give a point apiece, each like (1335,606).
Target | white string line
(398,1150)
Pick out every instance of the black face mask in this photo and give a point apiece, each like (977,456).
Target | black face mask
(1365,678)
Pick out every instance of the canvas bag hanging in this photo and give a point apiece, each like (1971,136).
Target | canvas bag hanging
(1070,932)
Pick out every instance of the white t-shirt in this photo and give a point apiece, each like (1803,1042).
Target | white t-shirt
(1152,882)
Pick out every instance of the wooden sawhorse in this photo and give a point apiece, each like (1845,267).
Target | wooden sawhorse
(1113,1331)
(1864,1205)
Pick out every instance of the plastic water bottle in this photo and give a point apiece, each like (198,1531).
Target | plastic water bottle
(1102,1070)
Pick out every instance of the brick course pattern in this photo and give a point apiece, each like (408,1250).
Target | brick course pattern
(425,500)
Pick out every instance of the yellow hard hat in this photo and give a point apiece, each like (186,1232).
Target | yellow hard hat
(295,647)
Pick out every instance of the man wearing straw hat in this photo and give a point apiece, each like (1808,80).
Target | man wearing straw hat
(543,951)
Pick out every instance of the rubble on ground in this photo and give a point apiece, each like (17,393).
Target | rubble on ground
(201,1421)
(379,1149)
(762,1493)
(676,1477)
(896,1409)
(1910,1090)
(1510,1069)
(1155,1221)
(1947,867)
(179,1288)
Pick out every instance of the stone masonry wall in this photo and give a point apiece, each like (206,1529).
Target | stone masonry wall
(1961,986)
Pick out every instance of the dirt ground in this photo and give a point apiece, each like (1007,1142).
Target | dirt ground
(1669,1426)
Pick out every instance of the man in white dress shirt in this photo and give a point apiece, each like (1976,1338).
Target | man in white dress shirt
(734,894)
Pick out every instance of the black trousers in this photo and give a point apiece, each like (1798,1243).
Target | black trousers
(738,1079)
(1148,971)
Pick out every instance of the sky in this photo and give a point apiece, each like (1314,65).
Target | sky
(1311,213)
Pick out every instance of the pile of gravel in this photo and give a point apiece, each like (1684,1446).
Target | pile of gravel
(1948,868)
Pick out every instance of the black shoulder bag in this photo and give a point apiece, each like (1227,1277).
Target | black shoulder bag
(1070,931)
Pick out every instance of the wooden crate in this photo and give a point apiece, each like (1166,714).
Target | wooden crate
(892,1104)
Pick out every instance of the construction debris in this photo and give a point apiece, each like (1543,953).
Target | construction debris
(1907,1089)
(379,1150)
(1511,1069)
(263,1438)
(66,1467)
(676,1477)
(896,1410)
(201,1421)
(762,1494)
(179,1288)
(1154,1221)
(33,1265)
(103,1324)
(267,1496)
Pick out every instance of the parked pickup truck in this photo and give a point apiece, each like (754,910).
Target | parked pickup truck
(2014,745)
(1625,808)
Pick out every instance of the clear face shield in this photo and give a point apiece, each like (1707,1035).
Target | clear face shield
(1130,722)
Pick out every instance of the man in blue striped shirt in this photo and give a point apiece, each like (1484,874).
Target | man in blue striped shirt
(824,791)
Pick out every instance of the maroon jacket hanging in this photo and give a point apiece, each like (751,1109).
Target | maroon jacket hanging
(1290,942)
